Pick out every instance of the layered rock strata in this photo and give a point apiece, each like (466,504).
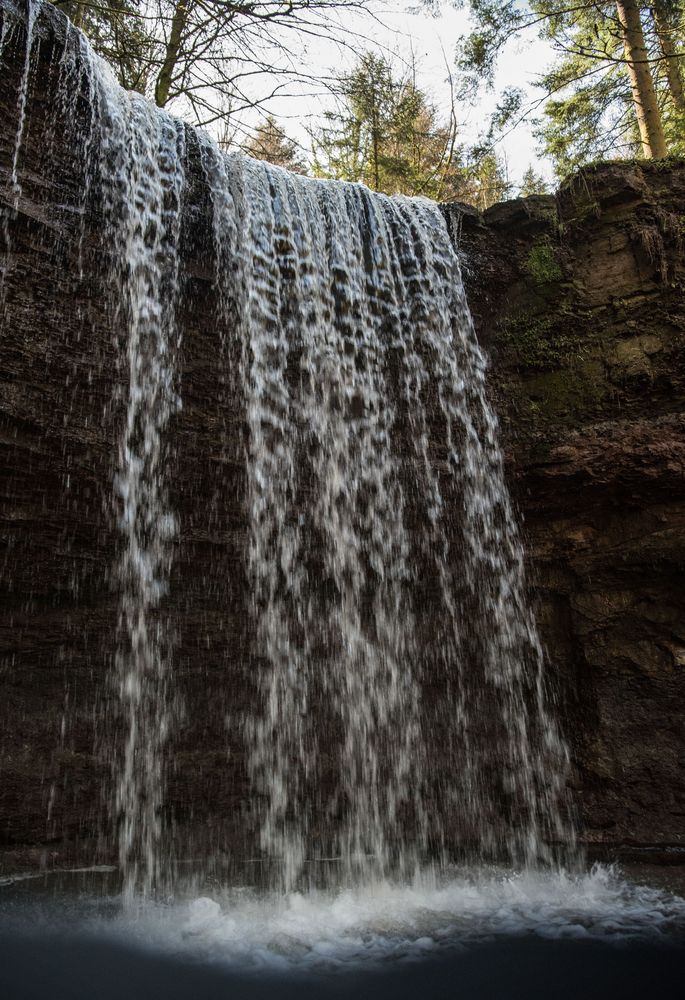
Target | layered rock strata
(579,299)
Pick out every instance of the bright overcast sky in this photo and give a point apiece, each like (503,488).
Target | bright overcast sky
(432,40)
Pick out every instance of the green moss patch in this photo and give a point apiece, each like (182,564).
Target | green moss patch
(536,344)
(571,393)
(542,263)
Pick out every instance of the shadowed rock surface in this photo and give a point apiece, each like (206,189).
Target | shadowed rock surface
(579,300)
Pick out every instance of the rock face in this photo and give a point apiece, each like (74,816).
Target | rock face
(63,404)
(579,301)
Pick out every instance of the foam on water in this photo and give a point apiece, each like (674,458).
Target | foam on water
(328,931)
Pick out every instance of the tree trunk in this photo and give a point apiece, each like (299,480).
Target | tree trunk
(664,28)
(166,73)
(641,82)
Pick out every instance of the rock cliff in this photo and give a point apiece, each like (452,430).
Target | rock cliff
(579,300)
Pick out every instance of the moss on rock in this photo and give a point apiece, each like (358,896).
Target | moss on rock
(542,263)
(536,342)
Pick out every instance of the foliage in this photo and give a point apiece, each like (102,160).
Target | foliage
(386,133)
(536,343)
(542,264)
(485,181)
(118,32)
(270,143)
(591,110)
(533,183)
(211,58)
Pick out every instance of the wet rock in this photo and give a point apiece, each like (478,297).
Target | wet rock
(589,378)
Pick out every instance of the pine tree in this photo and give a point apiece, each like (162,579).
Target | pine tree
(667,22)
(486,182)
(532,183)
(615,85)
(270,143)
(386,133)
(645,104)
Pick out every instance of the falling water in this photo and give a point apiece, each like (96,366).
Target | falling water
(8,26)
(391,626)
(328,555)
(142,155)
(21,103)
(358,345)
(137,155)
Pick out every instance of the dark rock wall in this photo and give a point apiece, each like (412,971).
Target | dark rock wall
(579,301)
(61,411)
(56,606)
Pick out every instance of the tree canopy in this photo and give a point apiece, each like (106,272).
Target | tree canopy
(533,183)
(386,132)
(270,143)
(218,57)
(615,85)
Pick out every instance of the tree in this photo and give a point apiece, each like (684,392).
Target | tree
(270,143)
(613,87)
(206,55)
(645,102)
(532,183)
(118,31)
(386,133)
(666,23)
(485,180)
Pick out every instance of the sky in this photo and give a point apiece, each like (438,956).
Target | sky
(433,41)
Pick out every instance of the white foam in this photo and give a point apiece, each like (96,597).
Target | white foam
(324,931)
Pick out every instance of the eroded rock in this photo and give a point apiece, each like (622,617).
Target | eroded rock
(588,370)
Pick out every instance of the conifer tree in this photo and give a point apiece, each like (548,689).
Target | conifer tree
(270,143)
(615,85)
(386,133)
(533,183)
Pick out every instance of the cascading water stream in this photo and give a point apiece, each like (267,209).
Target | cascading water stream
(14,185)
(32,11)
(330,438)
(145,148)
(356,321)
(383,559)
(136,154)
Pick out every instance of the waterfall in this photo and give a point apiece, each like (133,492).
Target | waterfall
(14,193)
(358,344)
(21,103)
(142,155)
(385,568)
